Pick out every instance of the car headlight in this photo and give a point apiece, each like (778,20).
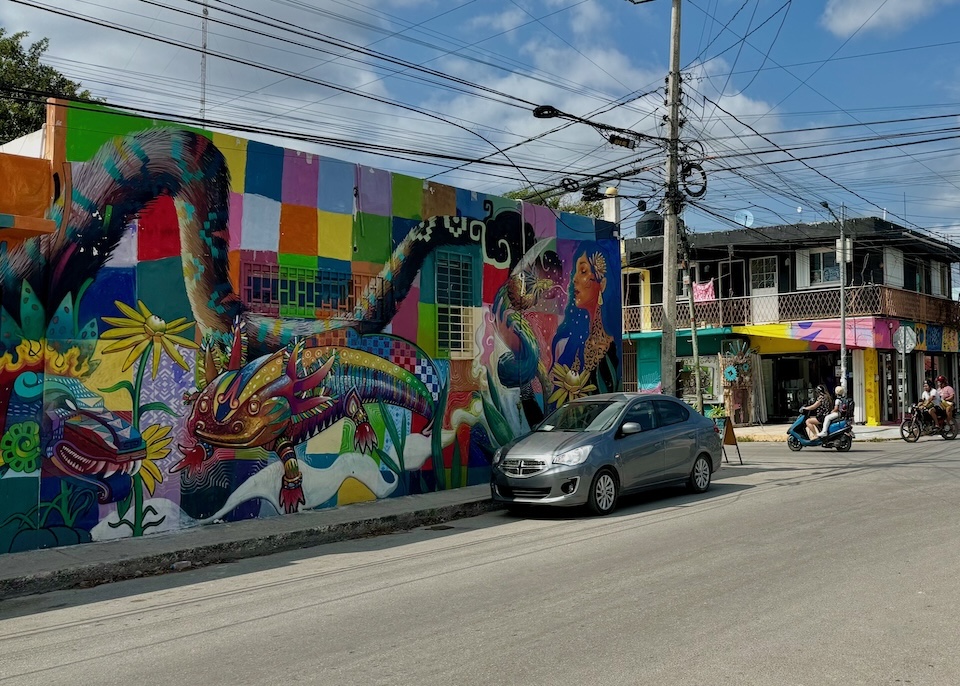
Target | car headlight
(573,457)
(498,456)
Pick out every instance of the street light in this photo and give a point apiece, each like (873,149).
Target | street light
(627,138)
(842,254)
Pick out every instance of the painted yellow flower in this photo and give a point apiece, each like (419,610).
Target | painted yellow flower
(157,439)
(141,330)
(570,384)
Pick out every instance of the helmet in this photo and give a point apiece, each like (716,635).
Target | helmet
(942,379)
(838,390)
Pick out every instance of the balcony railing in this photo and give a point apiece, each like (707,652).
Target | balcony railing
(861,301)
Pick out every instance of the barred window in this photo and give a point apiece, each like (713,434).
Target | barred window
(305,293)
(334,291)
(260,287)
(298,292)
(455,297)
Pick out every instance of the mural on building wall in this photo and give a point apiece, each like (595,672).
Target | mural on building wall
(221,329)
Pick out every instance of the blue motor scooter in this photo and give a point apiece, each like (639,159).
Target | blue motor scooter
(839,435)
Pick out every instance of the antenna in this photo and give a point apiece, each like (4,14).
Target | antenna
(744,218)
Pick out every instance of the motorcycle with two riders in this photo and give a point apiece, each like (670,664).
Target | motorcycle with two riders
(918,422)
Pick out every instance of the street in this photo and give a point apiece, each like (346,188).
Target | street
(814,567)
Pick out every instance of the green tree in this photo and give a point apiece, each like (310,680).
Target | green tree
(560,203)
(21,68)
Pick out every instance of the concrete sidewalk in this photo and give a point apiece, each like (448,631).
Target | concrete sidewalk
(778,432)
(81,566)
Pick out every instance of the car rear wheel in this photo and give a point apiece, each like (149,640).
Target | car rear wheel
(700,475)
(603,492)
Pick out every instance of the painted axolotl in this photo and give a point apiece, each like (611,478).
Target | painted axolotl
(278,401)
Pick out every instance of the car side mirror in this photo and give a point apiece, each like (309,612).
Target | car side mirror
(630,428)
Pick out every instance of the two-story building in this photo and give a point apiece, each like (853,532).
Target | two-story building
(768,321)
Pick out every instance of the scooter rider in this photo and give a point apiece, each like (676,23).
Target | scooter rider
(822,406)
(834,414)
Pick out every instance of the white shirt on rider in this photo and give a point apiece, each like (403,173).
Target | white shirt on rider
(932,397)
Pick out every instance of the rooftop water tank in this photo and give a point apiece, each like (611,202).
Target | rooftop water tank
(650,224)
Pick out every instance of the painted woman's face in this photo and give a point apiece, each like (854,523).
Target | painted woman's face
(586,289)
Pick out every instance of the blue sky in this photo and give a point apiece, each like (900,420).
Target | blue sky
(817,78)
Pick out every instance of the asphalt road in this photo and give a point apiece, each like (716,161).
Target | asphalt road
(798,568)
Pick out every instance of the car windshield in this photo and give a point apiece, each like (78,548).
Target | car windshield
(596,415)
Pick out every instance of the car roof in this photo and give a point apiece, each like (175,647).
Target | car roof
(624,396)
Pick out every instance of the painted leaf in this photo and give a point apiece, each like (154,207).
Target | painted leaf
(31,313)
(494,392)
(392,430)
(61,323)
(456,469)
(387,460)
(87,337)
(436,438)
(124,505)
(120,385)
(12,334)
(495,420)
(156,406)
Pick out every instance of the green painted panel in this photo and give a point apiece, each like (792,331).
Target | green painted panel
(427,328)
(90,126)
(373,238)
(407,196)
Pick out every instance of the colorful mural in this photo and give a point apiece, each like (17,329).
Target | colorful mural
(220,329)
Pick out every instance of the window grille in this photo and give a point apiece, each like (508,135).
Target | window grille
(260,287)
(455,297)
(305,293)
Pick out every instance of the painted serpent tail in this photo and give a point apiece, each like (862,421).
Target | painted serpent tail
(128,173)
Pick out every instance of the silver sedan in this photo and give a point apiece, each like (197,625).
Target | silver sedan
(594,449)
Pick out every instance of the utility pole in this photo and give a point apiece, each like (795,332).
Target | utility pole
(843,304)
(203,62)
(668,349)
(843,256)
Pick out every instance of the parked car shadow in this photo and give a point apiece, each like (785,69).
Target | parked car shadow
(645,501)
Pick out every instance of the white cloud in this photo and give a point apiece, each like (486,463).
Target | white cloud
(502,21)
(844,17)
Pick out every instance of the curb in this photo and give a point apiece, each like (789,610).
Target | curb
(86,576)
(783,439)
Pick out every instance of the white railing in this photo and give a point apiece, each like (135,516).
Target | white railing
(861,301)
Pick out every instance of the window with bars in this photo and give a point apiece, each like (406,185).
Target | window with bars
(297,292)
(304,293)
(455,297)
(260,285)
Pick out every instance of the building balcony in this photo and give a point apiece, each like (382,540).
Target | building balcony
(806,305)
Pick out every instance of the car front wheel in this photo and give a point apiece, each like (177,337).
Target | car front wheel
(603,492)
(700,475)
